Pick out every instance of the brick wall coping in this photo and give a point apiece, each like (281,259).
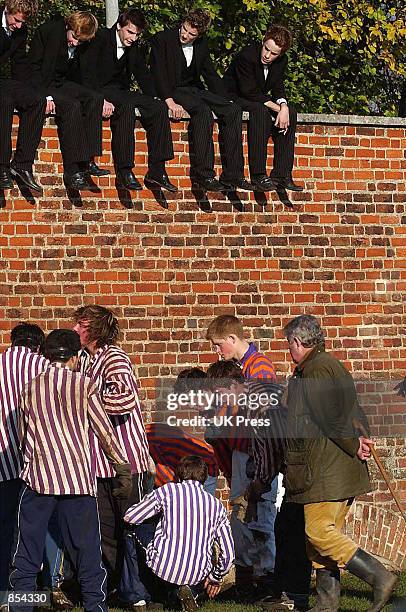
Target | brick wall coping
(366,120)
(321,119)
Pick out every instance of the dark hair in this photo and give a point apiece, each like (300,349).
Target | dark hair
(280,35)
(61,345)
(199,19)
(134,16)
(188,379)
(225,369)
(191,467)
(228,372)
(29,335)
(103,325)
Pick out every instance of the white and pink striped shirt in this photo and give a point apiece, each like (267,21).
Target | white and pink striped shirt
(58,410)
(18,366)
(112,371)
(191,522)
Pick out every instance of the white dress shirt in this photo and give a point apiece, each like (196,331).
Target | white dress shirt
(188,53)
(266,70)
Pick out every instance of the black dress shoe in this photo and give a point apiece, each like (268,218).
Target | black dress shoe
(238,183)
(287,183)
(6,180)
(262,182)
(126,179)
(160,181)
(77,181)
(208,184)
(94,170)
(26,177)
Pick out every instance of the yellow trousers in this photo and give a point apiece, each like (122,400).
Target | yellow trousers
(327,546)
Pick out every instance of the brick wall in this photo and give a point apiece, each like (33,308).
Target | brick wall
(167,266)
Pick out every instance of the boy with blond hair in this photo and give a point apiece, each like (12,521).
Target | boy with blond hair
(226,334)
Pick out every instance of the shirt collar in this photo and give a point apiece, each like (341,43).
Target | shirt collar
(4,24)
(251,349)
(92,359)
(118,42)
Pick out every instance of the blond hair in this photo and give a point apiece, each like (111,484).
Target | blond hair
(28,8)
(224,326)
(83,24)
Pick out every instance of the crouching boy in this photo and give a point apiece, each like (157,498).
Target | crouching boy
(191,522)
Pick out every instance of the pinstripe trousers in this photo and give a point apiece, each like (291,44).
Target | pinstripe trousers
(200,103)
(79,120)
(31,107)
(260,127)
(154,119)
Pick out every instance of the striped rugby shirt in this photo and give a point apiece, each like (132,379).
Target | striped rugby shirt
(18,366)
(112,371)
(167,446)
(58,409)
(257,365)
(191,522)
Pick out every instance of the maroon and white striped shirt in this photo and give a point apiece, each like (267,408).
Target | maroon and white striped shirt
(18,366)
(191,522)
(58,410)
(112,371)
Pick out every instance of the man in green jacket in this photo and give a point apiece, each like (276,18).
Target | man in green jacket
(326,464)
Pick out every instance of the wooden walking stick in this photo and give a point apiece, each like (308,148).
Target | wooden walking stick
(379,463)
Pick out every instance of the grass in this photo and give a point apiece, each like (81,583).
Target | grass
(355,597)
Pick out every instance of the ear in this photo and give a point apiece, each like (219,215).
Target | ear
(232,338)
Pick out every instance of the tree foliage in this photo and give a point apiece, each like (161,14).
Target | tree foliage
(348,56)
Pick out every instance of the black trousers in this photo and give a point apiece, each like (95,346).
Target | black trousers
(79,120)
(31,108)
(112,527)
(154,119)
(200,103)
(261,126)
(292,566)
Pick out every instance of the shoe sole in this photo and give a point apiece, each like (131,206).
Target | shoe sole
(233,188)
(129,188)
(265,189)
(156,184)
(187,600)
(17,176)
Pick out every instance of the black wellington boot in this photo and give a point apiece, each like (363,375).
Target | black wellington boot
(369,569)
